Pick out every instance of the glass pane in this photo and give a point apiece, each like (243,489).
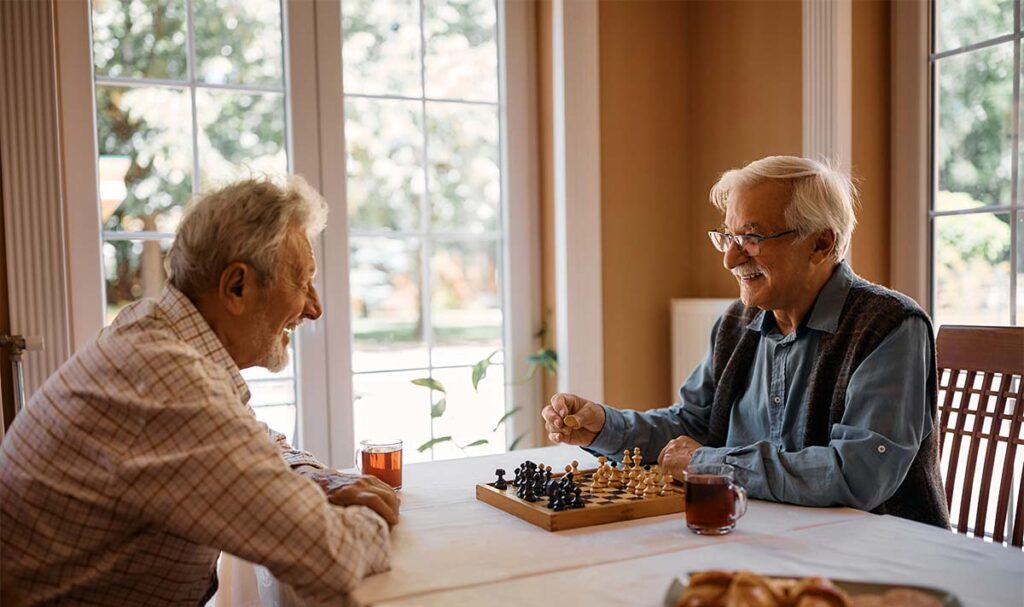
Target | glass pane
(273,396)
(462,52)
(381,47)
(139,38)
(465,178)
(974,141)
(240,135)
(133,269)
(238,41)
(471,415)
(388,405)
(385,163)
(963,22)
(150,129)
(972,269)
(387,327)
(280,418)
(466,305)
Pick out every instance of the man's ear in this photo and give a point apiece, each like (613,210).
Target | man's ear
(824,243)
(236,287)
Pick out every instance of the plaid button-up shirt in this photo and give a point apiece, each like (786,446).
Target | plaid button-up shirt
(136,463)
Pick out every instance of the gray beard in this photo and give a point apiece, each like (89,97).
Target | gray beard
(275,353)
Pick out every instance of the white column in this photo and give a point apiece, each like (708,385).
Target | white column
(577,162)
(827,80)
(30,166)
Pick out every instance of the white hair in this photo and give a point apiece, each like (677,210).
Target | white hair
(823,196)
(246,221)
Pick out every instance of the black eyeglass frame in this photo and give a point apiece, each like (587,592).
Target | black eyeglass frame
(742,240)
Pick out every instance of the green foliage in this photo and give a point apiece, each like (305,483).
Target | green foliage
(507,415)
(546,359)
(438,408)
(432,442)
(430,382)
(480,369)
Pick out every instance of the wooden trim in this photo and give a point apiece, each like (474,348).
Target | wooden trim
(828,80)
(577,162)
(521,210)
(909,237)
(79,174)
(33,203)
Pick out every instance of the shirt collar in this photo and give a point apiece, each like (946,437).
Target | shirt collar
(187,322)
(824,315)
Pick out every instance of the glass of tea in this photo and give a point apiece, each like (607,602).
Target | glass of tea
(383,459)
(714,502)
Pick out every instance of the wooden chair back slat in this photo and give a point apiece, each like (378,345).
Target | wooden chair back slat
(986,412)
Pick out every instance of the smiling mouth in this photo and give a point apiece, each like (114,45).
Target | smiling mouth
(748,275)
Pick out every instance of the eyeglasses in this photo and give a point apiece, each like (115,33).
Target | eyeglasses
(749,243)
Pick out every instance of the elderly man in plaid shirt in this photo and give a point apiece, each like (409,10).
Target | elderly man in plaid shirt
(140,459)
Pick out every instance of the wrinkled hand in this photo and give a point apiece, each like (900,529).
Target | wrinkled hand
(589,415)
(359,490)
(676,455)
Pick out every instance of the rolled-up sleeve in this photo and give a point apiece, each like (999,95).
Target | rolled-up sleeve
(652,430)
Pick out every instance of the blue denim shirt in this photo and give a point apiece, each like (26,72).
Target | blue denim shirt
(870,449)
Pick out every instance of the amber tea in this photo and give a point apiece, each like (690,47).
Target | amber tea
(714,502)
(382,459)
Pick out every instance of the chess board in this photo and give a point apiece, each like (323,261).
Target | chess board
(603,505)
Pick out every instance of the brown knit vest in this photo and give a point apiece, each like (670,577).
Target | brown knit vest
(869,314)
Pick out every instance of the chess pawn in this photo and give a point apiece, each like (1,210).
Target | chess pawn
(637,460)
(602,460)
(614,475)
(575,468)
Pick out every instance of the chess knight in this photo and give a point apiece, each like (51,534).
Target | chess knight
(818,386)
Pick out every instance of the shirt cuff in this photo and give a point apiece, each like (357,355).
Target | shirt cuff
(711,455)
(610,439)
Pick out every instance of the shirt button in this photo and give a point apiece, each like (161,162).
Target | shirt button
(881,448)
(777,400)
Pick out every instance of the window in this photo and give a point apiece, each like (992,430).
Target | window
(976,216)
(189,94)
(426,229)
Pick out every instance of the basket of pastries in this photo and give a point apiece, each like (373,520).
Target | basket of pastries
(749,589)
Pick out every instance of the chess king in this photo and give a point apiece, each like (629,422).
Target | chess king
(818,386)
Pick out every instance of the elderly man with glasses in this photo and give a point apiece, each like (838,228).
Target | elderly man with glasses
(818,387)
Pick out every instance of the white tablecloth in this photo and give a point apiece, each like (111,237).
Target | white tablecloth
(450,549)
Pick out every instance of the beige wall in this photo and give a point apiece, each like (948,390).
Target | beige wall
(645,153)
(871,158)
(687,91)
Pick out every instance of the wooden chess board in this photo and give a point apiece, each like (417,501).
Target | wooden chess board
(603,505)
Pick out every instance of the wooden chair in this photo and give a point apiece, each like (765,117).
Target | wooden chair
(981,418)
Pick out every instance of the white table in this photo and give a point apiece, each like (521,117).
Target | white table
(450,549)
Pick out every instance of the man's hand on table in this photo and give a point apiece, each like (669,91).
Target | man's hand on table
(356,490)
(676,455)
(590,418)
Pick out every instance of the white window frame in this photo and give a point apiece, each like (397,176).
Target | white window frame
(315,131)
(913,180)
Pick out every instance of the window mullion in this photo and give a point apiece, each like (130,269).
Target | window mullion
(190,62)
(425,215)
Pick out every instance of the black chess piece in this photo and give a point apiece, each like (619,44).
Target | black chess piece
(501,483)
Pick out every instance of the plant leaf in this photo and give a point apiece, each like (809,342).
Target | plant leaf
(434,441)
(507,415)
(515,443)
(546,358)
(477,443)
(480,369)
(438,408)
(430,382)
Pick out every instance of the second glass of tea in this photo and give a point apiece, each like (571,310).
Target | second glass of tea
(714,502)
(383,459)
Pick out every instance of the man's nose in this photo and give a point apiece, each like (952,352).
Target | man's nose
(312,310)
(734,256)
